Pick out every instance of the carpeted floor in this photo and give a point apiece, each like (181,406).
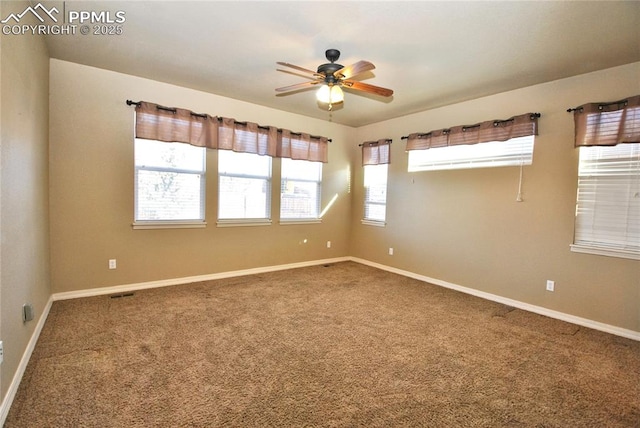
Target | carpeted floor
(344,345)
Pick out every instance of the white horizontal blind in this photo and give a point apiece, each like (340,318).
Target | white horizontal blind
(513,152)
(244,186)
(608,202)
(375,198)
(300,189)
(169,181)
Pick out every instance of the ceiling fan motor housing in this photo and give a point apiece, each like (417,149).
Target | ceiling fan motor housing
(328,70)
(331,67)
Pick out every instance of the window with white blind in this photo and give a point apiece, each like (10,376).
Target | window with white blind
(169,184)
(608,201)
(244,195)
(375,193)
(514,152)
(300,190)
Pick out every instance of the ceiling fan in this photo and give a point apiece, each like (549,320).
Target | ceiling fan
(332,77)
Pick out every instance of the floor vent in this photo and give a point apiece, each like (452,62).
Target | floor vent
(118,296)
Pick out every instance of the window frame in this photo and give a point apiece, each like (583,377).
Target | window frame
(317,182)
(170,223)
(245,221)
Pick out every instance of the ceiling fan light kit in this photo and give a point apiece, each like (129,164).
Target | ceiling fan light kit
(330,94)
(332,77)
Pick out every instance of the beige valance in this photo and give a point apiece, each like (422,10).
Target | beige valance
(155,122)
(376,152)
(607,124)
(492,130)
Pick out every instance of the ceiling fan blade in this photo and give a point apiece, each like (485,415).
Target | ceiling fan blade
(313,73)
(297,86)
(365,87)
(353,69)
(297,74)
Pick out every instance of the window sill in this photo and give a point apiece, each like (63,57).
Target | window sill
(169,224)
(374,223)
(600,251)
(243,222)
(286,222)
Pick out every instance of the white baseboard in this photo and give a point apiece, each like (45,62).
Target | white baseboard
(189,279)
(607,328)
(17,377)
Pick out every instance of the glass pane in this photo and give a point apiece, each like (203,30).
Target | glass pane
(242,198)
(165,195)
(158,154)
(299,199)
(301,170)
(622,160)
(230,162)
(374,212)
(376,193)
(375,174)
(608,202)
(375,196)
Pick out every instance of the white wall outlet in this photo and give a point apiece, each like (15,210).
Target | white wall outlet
(112,263)
(1,352)
(551,285)
(390,251)
(328,244)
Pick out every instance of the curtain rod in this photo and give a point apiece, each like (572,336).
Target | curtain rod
(446,131)
(204,115)
(625,101)
(376,142)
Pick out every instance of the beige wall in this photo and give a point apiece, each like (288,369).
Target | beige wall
(92,199)
(466,228)
(24,244)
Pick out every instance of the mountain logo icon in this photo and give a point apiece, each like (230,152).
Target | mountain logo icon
(34,11)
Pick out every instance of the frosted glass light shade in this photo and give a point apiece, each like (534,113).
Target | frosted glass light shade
(330,94)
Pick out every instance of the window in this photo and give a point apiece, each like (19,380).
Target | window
(514,152)
(300,189)
(375,192)
(486,144)
(169,182)
(245,186)
(608,201)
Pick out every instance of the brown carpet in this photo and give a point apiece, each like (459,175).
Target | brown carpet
(339,346)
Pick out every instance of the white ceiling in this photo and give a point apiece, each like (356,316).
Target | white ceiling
(430,53)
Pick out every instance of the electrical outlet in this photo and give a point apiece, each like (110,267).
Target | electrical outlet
(328,244)
(27,312)
(1,352)
(112,263)
(390,251)
(551,285)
